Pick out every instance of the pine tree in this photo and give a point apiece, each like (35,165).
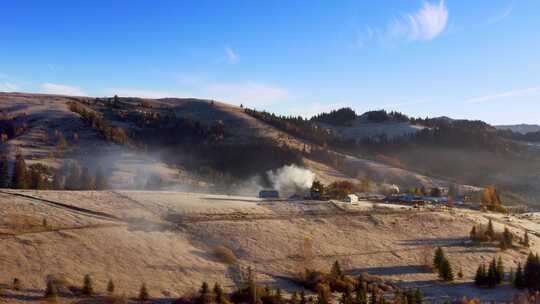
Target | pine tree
(472,234)
(490,232)
(492,275)
(110,286)
(88,286)
(143,293)
(360,293)
(218,294)
(506,240)
(4,171)
(480,277)
(438,258)
(336,271)
(19,178)
(531,272)
(500,271)
(519,279)
(445,271)
(51,291)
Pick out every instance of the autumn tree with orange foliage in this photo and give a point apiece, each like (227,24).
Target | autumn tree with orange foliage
(491,200)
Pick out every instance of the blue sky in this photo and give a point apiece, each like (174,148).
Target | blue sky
(464,59)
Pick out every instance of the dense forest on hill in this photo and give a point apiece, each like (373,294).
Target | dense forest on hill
(341,117)
(196,146)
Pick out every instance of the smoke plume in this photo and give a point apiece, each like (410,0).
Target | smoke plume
(291,179)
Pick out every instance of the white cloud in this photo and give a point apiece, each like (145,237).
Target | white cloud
(507,94)
(252,94)
(232,57)
(425,24)
(61,89)
(129,92)
(8,86)
(500,16)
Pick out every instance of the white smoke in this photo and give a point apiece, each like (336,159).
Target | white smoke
(291,179)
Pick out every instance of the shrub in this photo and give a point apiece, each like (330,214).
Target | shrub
(88,286)
(225,255)
(51,291)
(110,286)
(143,293)
(17,284)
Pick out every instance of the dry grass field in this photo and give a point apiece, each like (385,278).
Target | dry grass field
(168,240)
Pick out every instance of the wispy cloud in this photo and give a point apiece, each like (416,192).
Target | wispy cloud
(425,24)
(8,86)
(61,89)
(503,95)
(500,16)
(231,55)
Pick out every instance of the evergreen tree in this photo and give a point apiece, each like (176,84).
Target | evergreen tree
(492,275)
(519,279)
(4,171)
(500,271)
(445,271)
(360,294)
(490,232)
(88,286)
(336,271)
(438,258)
(418,296)
(506,240)
(110,286)
(19,177)
(472,234)
(531,272)
(143,293)
(51,291)
(218,294)
(480,277)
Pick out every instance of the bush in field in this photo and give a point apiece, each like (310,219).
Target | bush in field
(110,287)
(225,255)
(88,286)
(51,291)
(143,294)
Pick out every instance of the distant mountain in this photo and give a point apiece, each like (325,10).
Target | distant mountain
(521,128)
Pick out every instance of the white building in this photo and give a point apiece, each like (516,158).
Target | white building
(351,199)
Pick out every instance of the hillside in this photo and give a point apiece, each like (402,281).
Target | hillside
(521,128)
(167,239)
(185,144)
